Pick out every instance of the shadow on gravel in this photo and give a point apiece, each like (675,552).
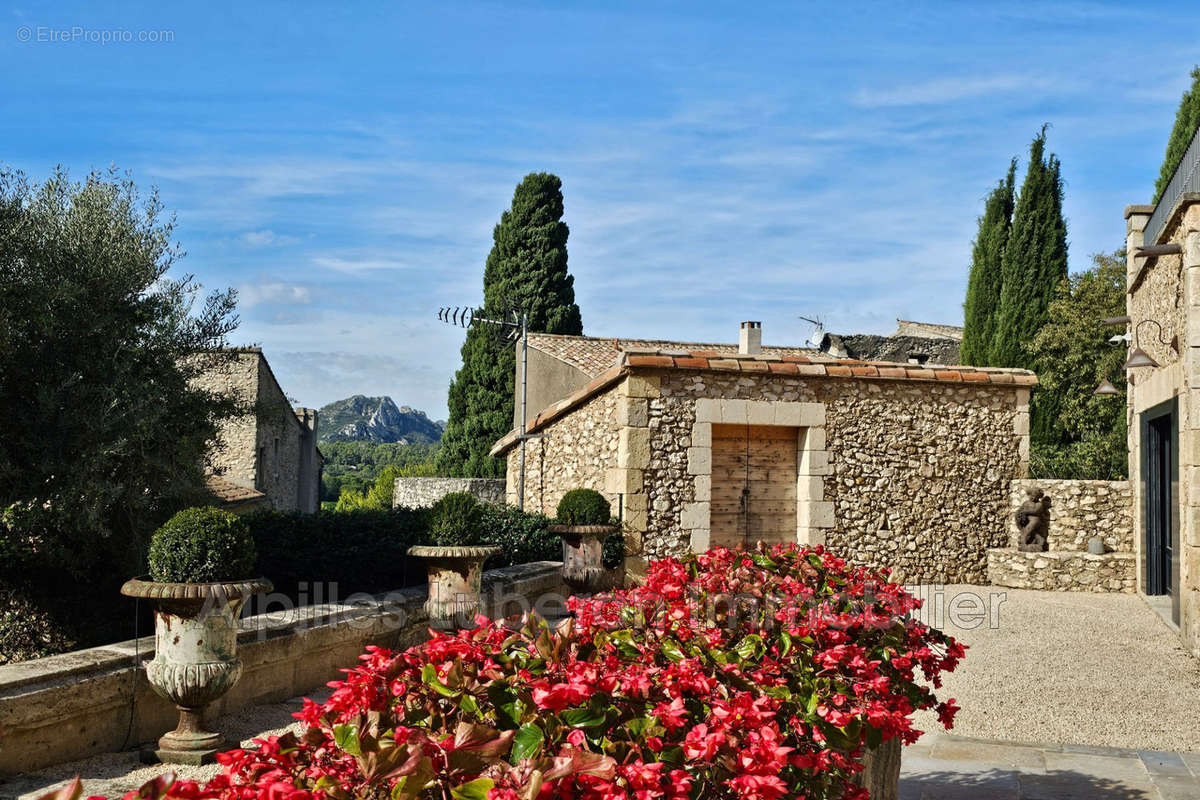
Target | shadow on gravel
(1003,784)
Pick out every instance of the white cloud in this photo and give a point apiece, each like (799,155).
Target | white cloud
(948,90)
(273,292)
(266,238)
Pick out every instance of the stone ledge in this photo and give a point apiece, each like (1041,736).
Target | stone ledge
(1062,570)
(70,706)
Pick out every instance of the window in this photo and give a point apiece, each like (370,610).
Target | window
(260,469)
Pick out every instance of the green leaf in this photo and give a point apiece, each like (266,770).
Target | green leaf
(473,790)
(813,702)
(763,561)
(671,755)
(749,646)
(346,737)
(526,743)
(637,727)
(582,717)
(469,705)
(671,650)
(508,706)
(429,676)
(787,644)
(874,737)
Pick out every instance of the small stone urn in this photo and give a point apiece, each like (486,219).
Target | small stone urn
(195,655)
(583,555)
(455,583)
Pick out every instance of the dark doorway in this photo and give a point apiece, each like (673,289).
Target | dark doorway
(1160,490)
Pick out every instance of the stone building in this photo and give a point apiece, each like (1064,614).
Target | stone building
(699,445)
(272,449)
(1163,302)
(912,343)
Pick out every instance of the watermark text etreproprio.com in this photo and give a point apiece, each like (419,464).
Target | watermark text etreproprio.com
(48,34)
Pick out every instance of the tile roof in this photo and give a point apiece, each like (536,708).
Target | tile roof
(230,493)
(798,365)
(593,355)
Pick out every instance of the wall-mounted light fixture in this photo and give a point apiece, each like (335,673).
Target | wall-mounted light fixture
(1139,357)
(1106,388)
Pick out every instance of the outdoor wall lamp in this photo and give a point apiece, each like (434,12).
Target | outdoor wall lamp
(1106,388)
(1139,357)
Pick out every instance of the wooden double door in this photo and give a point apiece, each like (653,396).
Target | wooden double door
(754,472)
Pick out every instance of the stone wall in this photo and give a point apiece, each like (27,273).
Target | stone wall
(79,704)
(574,453)
(1080,510)
(279,434)
(267,448)
(909,475)
(918,473)
(1063,570)
(424,492)
(1166,291)
(234,455)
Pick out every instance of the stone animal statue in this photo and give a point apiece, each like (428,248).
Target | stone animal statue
(1033,521)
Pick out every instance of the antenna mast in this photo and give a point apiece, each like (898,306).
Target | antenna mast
(514,326)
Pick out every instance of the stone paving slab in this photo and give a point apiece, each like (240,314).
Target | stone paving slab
(949,768)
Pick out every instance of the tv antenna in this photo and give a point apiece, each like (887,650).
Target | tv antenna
(818,333)
(513,326)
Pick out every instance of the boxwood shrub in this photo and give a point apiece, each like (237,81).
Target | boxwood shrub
(583,507)
(202,545)
(456,520)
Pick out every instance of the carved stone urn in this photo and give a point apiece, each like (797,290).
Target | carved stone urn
(455,583)
(583,555)
(195,656)
(881,773)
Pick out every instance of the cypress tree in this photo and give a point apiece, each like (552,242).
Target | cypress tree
(525,271)
(983,284)
(1034,261)
(1187,120)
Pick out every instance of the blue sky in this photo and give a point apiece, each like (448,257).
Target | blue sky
(343,166)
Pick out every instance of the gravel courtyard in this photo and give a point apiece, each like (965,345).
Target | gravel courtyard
(1075,668)
(1057,668)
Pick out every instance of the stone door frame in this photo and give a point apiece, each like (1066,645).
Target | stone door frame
(814,514)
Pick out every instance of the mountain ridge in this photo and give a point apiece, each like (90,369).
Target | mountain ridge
(359,418)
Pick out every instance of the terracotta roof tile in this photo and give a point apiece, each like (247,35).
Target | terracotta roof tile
(229,493)
(594,355)
(782,364)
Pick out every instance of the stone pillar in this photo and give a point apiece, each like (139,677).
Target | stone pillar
(1189,436)
(1136,217)
(1021,431)
(633,458)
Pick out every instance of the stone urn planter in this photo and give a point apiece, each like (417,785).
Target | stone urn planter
(583,555)
(195,655)
(455,582)
(881,776)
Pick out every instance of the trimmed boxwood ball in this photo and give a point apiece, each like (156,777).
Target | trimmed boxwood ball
(584,507)
(202,545)
(456,520)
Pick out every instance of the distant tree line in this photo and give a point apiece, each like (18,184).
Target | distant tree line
(355,466)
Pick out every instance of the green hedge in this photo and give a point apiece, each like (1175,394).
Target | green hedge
(360,551)
(366,551)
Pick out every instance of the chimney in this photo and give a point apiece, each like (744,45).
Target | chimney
(750,340)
